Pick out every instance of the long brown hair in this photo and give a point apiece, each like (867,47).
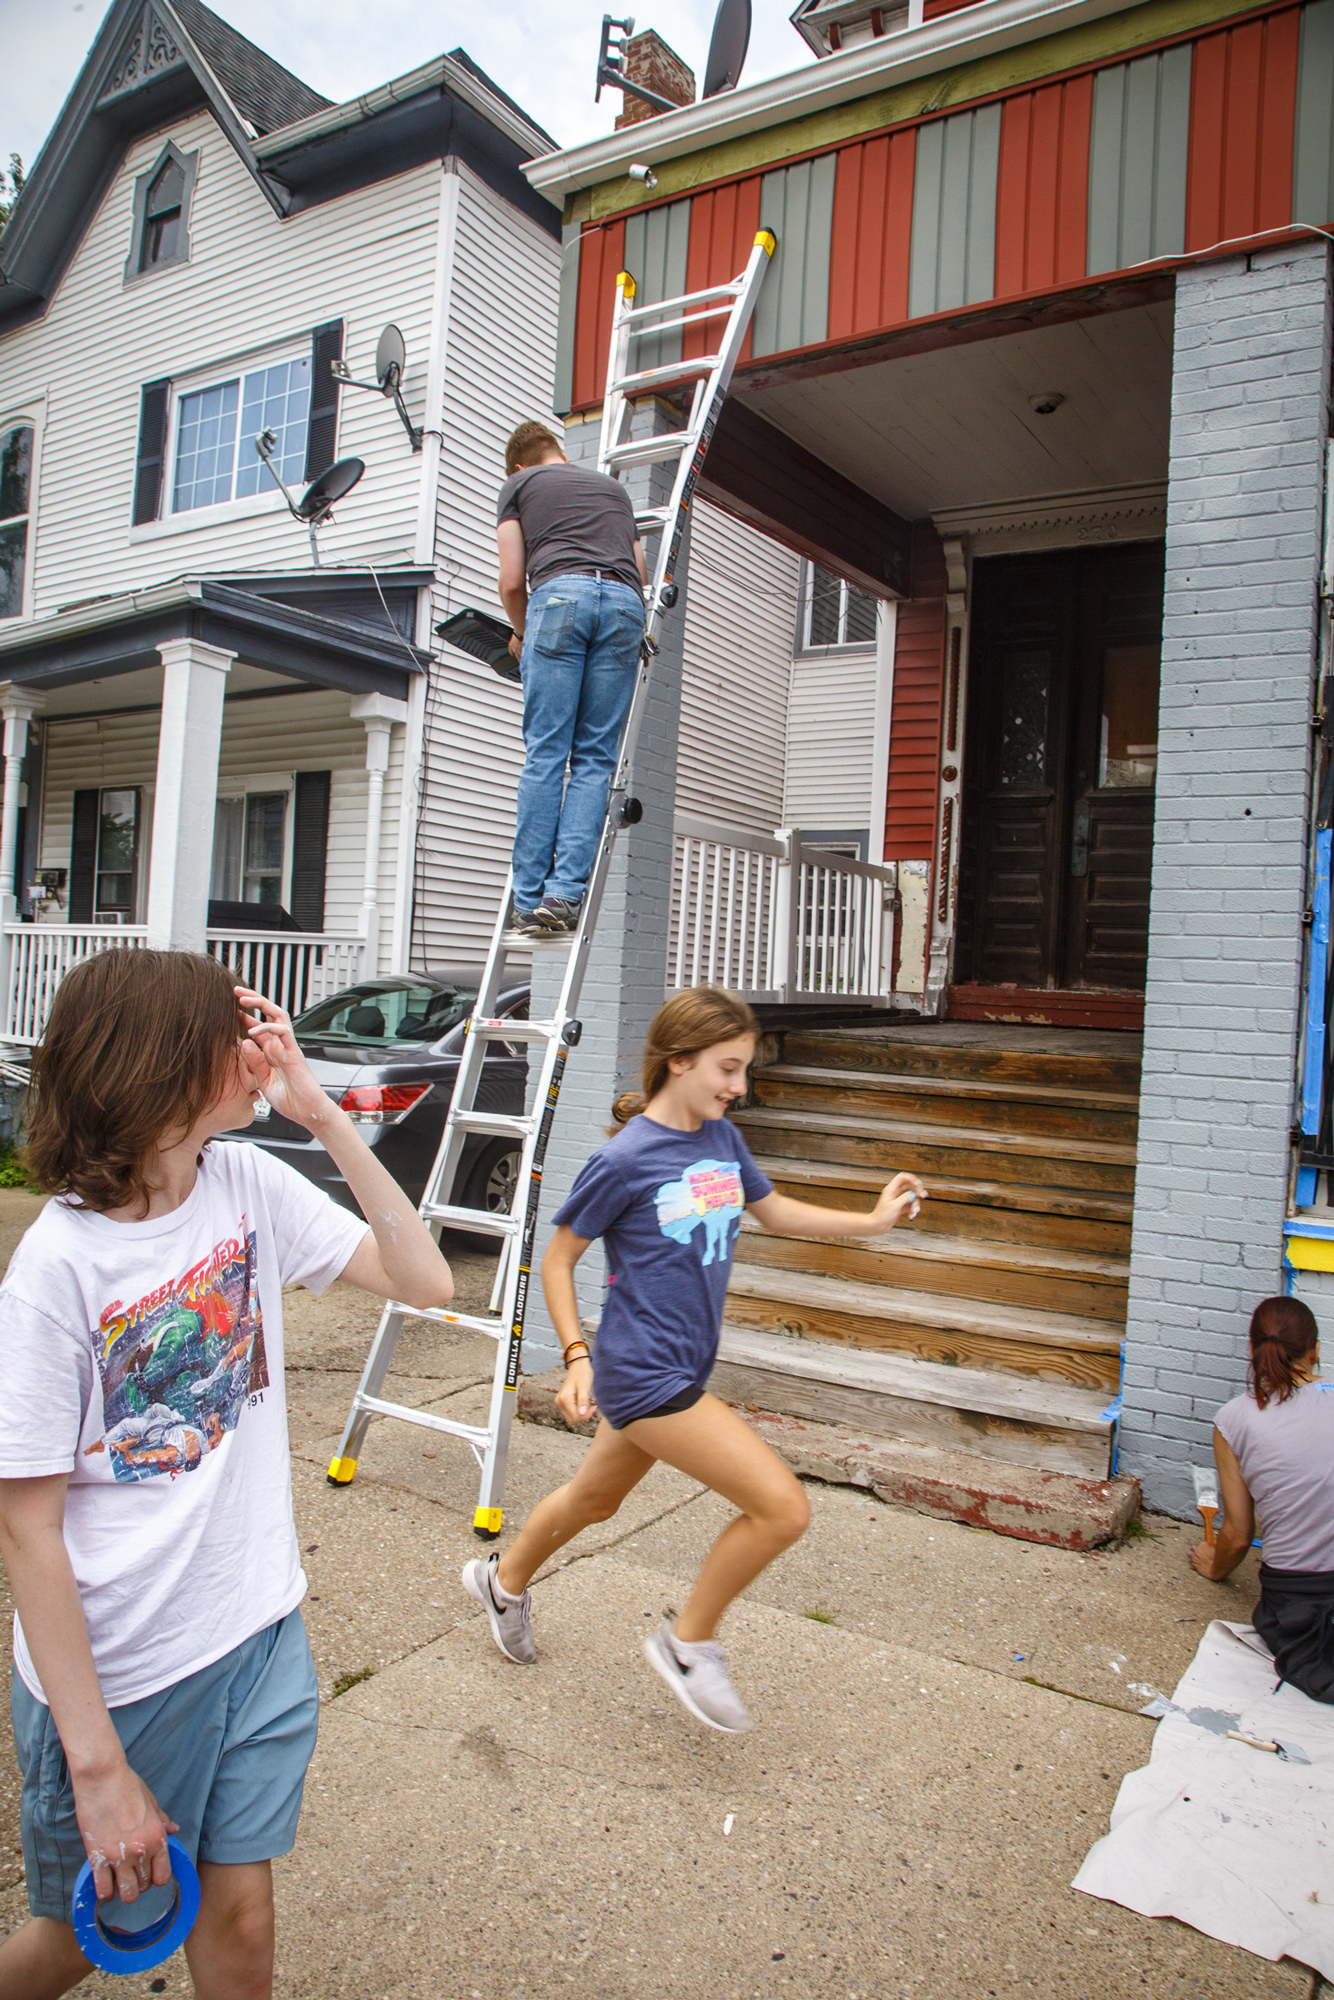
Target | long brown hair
(685,1025)
(137,1045)
(1284,1335)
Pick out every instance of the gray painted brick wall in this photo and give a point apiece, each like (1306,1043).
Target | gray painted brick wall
(1250,386)
(627,968)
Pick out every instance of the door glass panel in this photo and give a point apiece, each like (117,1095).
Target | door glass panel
(265,815)
(1129,748)
(228,823)
(117,847)
(1025,691)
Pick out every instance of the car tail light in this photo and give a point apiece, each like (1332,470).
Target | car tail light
(381,1103)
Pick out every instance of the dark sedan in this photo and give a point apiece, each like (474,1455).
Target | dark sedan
(388,1052)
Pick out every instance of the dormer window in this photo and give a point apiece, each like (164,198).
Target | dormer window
(162,214)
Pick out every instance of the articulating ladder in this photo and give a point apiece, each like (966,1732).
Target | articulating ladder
(732,304)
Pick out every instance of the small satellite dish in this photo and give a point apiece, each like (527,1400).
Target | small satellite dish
(390,357)
(330,487)
(727,50)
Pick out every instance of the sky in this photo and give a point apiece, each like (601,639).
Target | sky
(543,52)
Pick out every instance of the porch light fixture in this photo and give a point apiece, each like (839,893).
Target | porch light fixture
(1042,406)
(315,506)
(391,357)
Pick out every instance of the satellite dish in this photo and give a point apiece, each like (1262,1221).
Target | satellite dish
(727,50)
(391,356)
(330,487)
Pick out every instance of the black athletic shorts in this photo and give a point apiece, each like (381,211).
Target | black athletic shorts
(686,1400)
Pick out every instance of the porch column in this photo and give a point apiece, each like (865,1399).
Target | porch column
(1244,506)
(194,678)
(625,982)
(379,713)
(17,706)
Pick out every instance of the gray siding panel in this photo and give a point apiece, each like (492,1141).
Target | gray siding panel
(1137,160)
(656,244)
(793,307)
(953,257)
(1313,167)
(563,391)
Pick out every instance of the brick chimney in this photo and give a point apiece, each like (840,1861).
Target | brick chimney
(649,61)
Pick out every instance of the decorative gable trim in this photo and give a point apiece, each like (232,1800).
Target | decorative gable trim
(147,52)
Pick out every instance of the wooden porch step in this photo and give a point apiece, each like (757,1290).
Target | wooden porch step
(1093,1165)
(1058,1218)
(1056,1112)
(961,1267)
(953,1332)
(1051,1425)
(1055,1058)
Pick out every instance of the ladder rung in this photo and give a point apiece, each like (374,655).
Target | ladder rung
(653,517)
(516,1031)
(470,1432)
(471,1218)
(644,378)
(500,1124)
(644,451)
(496,1328)
(676,325)
(731,290)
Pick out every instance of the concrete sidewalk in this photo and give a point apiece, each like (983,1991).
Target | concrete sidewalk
(942,1719)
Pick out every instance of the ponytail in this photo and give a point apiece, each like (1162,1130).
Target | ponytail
(685,1025)
(1284,1335)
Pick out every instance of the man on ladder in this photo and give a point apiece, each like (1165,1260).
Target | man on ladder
(572,577)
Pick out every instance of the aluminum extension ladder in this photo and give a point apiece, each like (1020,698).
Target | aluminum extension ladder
(503,1322)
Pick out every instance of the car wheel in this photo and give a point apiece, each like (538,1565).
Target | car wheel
(491,1185)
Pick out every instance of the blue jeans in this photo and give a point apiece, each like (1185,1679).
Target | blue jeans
(580,655)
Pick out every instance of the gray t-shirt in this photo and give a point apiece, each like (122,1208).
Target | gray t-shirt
(572,519)
(1286,1455)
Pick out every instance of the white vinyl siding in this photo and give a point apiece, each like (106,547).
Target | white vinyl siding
(741,597)
(500,353)
(253,285)
(830,740)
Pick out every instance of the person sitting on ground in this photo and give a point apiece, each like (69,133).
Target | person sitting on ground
(1274,1448)
(572,578)
(160,1663)
(666,1196)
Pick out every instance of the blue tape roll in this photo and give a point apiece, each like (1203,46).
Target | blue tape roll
(115,1950)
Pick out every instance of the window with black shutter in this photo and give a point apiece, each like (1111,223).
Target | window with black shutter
(83,856)
(153,400)
(326,345)
(310,848)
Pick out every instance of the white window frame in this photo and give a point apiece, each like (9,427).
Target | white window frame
(267,781)
(804,603)
(192,385)
(27,417)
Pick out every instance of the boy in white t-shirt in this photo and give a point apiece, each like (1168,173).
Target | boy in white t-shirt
(162,1677)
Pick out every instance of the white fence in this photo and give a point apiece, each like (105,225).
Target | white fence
(777,920)
(294,968)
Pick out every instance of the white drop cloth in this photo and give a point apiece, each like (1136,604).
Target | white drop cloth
(1236,1842)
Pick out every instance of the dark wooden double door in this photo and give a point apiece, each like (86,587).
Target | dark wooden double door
(1062,745)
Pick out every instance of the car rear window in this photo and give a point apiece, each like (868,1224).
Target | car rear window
(405,1016)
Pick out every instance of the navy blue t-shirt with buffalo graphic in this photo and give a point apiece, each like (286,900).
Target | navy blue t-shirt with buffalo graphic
(667,1205)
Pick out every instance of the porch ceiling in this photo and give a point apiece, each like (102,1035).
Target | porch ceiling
(142,688)
(954,428)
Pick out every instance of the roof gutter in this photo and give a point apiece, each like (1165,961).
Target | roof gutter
(981,30)
(98,612)
(443,70)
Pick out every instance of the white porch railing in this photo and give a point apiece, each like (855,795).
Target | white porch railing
(776,920)
(295,968)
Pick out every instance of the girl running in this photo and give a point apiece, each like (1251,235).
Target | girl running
(666,1195)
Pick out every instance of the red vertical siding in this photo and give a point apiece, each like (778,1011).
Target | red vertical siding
(723,223)
(1243,110)
(601,256)
(872,231)
(933,8)
(1042,191)
(913,789)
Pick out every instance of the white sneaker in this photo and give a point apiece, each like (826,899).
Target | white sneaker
(697,1676)
(511,1617)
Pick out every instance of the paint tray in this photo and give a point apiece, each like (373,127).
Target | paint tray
(486,638)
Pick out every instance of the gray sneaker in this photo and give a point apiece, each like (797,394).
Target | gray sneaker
(557,914)
(511,1618)
(527,928)
(697,1676)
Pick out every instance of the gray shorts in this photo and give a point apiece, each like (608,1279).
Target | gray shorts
(224,1752)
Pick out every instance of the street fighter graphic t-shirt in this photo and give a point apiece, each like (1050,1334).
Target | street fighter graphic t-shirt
(145,1359)
(667,1206)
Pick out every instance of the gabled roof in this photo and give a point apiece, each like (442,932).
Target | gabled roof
(155,59)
